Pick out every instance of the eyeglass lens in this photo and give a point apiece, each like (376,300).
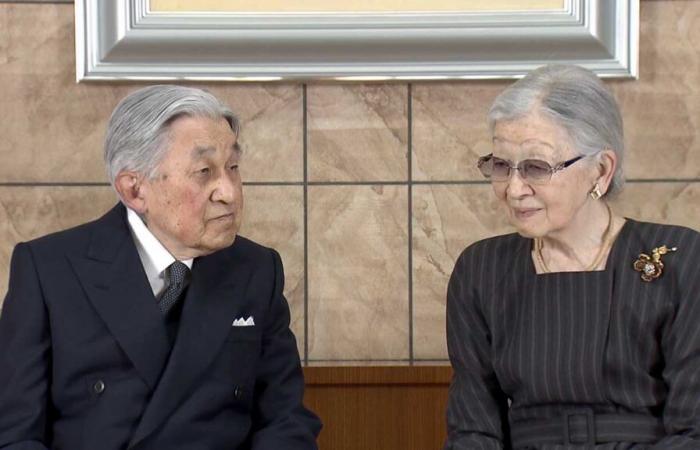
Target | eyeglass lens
(531,169)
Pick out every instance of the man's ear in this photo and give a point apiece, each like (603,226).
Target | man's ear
(130,189)
(607,163)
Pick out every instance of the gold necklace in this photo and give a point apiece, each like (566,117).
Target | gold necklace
(607,235)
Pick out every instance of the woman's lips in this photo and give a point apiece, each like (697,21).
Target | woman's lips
(525,213)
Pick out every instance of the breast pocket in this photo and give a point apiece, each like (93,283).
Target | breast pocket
(244,334)
(238,358)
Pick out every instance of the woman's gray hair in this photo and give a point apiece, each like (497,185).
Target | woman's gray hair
(137,132)
(574,98)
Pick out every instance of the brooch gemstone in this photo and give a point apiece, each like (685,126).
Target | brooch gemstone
(651,267)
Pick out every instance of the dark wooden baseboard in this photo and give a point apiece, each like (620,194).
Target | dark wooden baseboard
(379,408)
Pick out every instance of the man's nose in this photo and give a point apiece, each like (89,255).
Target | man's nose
(225,190)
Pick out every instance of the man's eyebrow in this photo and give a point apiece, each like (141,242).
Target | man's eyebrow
(200,152)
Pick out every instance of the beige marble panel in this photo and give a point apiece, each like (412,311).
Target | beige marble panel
(274,216)
(357,132)
(4,38)
(53,128)
(449,128)
(673,203)
(446,219)
(662,109)
(271,129)
(359,363)
(432,362)
(358,272)
(29,212)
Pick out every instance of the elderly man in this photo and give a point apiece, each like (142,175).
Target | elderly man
(155,326)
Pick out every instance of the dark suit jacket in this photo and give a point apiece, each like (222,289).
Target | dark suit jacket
(86,363)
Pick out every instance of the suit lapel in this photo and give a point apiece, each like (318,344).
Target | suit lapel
(215,293)
(113,278)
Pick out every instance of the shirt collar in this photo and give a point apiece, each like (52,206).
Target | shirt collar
(154,256)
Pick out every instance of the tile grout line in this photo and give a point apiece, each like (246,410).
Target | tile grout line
(327,183)
(409,144)
(306,222)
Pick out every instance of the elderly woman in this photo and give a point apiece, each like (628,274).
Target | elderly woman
(581,330)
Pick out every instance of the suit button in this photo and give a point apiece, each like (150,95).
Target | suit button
(98,387)
(237,392)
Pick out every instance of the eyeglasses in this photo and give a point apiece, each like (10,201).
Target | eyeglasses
(531,170)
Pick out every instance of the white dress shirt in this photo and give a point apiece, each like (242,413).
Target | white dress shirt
(154,257)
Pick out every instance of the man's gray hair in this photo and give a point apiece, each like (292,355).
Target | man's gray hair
(137,132)
(575,99)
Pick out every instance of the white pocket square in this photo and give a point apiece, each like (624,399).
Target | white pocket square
(241,322)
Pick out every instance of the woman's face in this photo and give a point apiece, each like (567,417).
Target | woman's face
(534,209)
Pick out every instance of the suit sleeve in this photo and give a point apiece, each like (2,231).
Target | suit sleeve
(476,407)
(681,346)
(25,355)
(280,420)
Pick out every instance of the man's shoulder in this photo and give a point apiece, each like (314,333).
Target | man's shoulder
(244,247)
(77,236)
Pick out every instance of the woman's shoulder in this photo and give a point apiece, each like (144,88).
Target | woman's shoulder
(500,242)
(493,249)
(644,237)
(658,234)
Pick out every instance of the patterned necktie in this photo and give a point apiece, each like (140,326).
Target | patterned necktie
(177,274)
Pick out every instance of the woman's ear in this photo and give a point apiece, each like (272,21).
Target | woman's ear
(131,191)
(606,165)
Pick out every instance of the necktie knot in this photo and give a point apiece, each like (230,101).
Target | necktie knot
(177,275)
(178,272)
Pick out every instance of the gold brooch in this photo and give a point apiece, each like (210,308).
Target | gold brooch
(651,266)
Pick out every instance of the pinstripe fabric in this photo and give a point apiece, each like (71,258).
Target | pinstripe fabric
(549,342)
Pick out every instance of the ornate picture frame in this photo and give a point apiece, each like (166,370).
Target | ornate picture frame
(125,40)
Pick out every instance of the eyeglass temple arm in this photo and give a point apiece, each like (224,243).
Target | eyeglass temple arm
(567,163)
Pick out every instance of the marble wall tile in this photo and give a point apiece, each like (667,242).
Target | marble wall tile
(450,130)
(4,37)
(30,212)
(358,272)
(358,363)
(673,203)
(271,129)
(274,216)
(357,132)
(446,219)
(661,110)
(53,128)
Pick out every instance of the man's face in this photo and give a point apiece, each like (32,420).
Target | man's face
(194,202)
